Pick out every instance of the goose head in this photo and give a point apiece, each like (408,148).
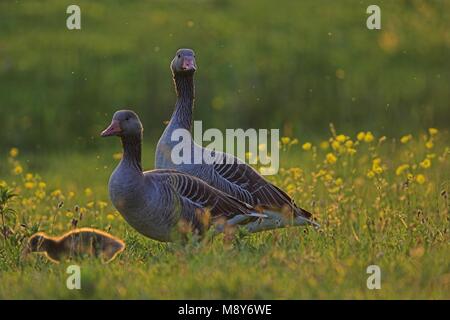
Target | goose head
(183,62)
(37,243)
(125,123)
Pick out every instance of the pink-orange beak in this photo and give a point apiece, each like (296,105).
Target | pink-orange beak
(113,130)
(189,64)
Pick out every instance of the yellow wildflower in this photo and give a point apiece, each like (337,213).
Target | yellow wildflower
(324,145)
(69,214)
(56,193)
(368,137)
(351,151)
(290,188)
(42,185)
(14,152)
(320,173)
(102,204)
(90,204)
(335,145)
(378,170)
(117,156)
(370,174)
(28,177)
(110,217)
(361,136)
(88,192)
(429,144)
(376,166)
(339,182)
(425,163)
(331,158)
(18,169)
(296,172)
(349,143)
(40,194)
(285,140)
(433,131)
(307,146)
(3,184)
(29,185)
(420,179)
(294,141)
(406,139)
(401,169)
(333,190)
(27,202)
(341,138)
(71,194)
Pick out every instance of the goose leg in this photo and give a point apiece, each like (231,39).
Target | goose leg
(285,221)
(277,222)
(232,222)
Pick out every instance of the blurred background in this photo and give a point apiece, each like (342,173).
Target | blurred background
(293,65)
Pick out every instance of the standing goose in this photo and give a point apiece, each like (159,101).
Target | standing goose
(155,202)
(230,175)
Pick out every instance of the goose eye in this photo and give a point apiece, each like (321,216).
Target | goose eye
(179,56)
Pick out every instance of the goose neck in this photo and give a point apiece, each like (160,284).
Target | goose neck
(132,146)
(184,85)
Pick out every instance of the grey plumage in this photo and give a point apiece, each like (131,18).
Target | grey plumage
(232,176)
(155,202)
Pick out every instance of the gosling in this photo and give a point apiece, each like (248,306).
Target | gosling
(77,243)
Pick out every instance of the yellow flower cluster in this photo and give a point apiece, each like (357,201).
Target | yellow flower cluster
(340,168)
(401,168)
(365,136)
(331,158)
(406,139)
(307,146)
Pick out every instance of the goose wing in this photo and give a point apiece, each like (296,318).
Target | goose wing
(241,180)
(201,195)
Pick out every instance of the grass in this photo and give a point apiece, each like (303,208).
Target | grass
(378,199)
(297,66)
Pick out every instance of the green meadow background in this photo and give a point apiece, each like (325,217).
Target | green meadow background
(378,185)
(293,65)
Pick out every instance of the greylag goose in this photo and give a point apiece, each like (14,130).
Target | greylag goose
(155,202)
(231,176)
(76,243)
